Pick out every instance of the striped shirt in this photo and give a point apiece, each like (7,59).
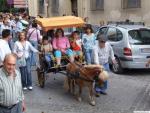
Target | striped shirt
(10,88)
(102,55)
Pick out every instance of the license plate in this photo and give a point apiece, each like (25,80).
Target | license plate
(145,50)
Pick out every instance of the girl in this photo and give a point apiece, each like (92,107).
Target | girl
(22,49)
(62,46)
(76,45)
(89,41)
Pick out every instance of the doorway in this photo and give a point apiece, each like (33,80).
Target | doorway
(74,7)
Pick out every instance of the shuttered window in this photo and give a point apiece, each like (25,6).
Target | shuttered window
(55,6)
(131,4)
(41,6)
(97,5)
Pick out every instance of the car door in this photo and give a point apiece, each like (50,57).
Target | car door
(115,38)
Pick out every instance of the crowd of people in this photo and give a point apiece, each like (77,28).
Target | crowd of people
(21,41)
(19,46)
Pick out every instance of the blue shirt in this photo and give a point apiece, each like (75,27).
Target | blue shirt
(88,41)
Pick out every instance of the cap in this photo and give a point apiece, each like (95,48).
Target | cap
(102,38)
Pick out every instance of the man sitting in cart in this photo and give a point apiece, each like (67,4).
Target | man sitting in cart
(76,46)
(47,50)
(61,46)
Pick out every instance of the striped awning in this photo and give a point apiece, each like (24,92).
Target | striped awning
(20,3)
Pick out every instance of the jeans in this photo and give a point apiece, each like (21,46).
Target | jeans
(11,44)
(48,59)
(23,76)
(105,85)
(88,56)
(28,71)
(26,77)
(33,55)
(15,109)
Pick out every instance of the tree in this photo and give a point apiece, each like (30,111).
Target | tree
(3,5)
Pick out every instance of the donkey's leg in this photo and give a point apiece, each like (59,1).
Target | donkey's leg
(73,86)
(69,84)
(79,94)
(91,95)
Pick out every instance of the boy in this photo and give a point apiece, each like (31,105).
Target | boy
(47,49)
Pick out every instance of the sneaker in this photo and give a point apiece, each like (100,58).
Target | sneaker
(30,88)
(24,88)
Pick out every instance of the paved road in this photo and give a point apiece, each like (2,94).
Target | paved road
(127,92)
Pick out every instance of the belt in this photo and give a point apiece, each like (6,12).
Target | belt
(8,107)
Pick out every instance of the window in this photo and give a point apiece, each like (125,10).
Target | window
(114,34)
(131,4)
(140,37)
(97,5)
(102,31)
(41,6)
(119,35)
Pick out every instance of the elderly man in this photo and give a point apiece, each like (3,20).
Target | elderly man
(102,52)
(4,46)
(11,94)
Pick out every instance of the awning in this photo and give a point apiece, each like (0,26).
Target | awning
(19,3)
(60,22)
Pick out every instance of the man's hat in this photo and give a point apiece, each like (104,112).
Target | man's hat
(102,38)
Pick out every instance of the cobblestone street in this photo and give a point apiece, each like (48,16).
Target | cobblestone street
(126,93)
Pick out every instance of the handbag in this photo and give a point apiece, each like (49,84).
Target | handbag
(21,62)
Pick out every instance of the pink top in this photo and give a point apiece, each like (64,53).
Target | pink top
(61,43)
(34,34)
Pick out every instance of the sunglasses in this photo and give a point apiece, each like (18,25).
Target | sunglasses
(102,41)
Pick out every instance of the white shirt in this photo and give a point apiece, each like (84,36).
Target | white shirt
(4,50)
(21,50)
(101,55)
(5,27)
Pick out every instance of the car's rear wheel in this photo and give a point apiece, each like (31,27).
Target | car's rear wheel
(117,68)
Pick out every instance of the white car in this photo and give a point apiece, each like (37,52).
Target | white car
(131,45)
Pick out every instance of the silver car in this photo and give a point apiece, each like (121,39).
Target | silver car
(131,45)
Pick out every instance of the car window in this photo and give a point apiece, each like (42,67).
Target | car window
(140,36)
(119,35)
(102,31)
(112,34)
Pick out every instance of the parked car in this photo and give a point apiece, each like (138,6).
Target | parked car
(131,45)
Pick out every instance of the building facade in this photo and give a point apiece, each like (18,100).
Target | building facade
(96,11)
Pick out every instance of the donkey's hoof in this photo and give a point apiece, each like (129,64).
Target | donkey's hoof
(79,99)
(92,103)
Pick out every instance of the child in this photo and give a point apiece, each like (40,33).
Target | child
(47,49)
(147,64)
(76,45)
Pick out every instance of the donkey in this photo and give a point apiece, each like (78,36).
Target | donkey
(83,76)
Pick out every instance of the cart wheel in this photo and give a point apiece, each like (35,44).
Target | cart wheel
(41,78)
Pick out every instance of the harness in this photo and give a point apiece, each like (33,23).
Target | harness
(77,75)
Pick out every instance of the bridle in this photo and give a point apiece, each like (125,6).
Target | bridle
(80,70)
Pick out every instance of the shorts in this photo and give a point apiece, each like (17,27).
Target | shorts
(78,53)
(58,53)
